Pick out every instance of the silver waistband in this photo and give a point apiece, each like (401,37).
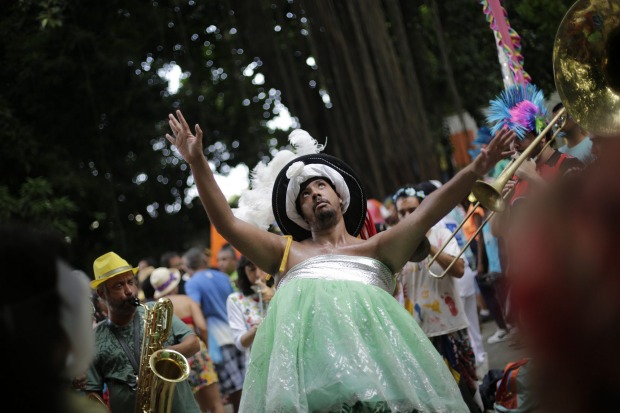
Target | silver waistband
(343,267)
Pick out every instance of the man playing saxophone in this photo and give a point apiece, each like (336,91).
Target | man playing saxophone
(119,340)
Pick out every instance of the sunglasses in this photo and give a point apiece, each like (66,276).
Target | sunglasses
(561,121)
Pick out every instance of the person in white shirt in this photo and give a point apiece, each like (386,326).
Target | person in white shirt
(248,306)
(577,141)
(436,303)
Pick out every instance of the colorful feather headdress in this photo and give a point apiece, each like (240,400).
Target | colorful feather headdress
(520,108)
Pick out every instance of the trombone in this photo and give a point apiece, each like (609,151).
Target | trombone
(490,194)
(509,167)
(586,71)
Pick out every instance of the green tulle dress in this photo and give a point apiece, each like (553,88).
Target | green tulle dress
(335,340)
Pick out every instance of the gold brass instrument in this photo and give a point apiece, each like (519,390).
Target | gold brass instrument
(490,194)
(586,65)
(455,259)
(445,244)
(488,218)
(477,203)
(160,369)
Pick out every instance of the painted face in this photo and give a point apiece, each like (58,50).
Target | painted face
(406,205)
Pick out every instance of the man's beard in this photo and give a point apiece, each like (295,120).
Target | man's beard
(123,306)
(326,218)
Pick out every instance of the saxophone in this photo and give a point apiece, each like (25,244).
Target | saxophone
(160,369)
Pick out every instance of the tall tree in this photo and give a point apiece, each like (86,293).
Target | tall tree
(84,98)
(82,109)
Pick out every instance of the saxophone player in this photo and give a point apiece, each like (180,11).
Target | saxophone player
(119,340)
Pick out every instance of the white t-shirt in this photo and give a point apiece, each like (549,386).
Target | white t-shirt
(435,303)
(581,151)
(467,283)
(243,313)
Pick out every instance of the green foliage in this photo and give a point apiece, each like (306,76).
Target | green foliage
(8,205)
(49,12)
(537,22)
(36,203)
(83,108)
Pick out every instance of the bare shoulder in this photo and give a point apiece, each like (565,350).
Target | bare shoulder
(181,301)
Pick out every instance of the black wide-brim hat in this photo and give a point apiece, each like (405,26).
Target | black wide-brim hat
(355,214)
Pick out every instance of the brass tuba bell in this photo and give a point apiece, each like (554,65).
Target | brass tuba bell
(586,65)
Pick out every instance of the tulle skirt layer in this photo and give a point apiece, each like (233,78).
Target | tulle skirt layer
(344,346)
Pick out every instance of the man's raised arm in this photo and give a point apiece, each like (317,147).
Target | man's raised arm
(397,244)
(261,247)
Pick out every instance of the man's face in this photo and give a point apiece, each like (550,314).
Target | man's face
(185,266)
(569,123)
(320,205)
(176,262)
(226,261)
(406,205)
(120,293)
(522,144)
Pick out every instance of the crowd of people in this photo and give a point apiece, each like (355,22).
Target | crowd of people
(324,315)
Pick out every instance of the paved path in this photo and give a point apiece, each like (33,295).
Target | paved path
(502,353)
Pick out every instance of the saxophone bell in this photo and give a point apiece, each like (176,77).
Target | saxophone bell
(160,368)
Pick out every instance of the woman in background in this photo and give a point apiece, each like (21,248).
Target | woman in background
(247,307)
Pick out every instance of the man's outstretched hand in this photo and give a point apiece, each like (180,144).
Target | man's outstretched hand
(498,149)
(188,144)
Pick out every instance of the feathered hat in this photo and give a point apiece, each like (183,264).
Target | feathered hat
(274,188)
(254,204)
(344,180)
(519,108)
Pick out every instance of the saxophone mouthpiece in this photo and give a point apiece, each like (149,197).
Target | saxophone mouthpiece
(135,301)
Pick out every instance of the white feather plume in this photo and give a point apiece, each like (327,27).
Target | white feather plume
(255,202)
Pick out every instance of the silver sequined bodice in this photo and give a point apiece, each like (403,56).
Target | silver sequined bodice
(343,267)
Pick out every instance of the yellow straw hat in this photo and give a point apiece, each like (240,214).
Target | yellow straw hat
(107,266)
